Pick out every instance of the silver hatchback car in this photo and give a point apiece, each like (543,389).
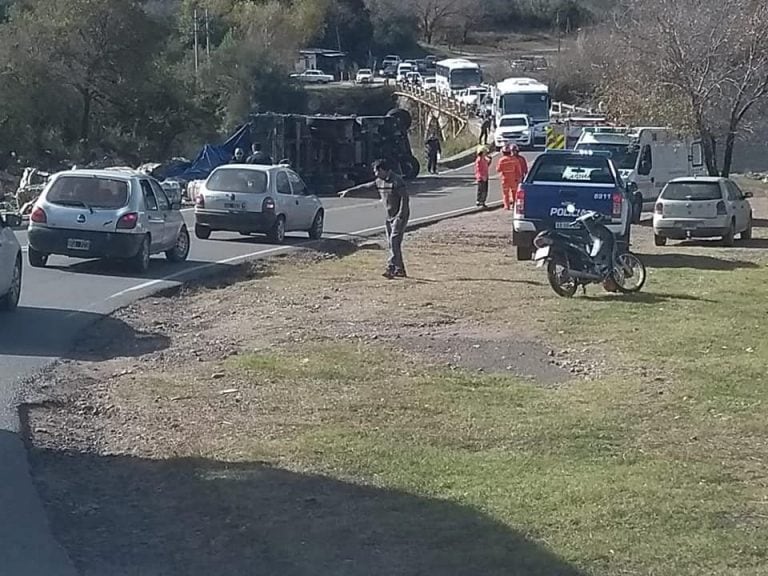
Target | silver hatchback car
(255,198)
(109,214)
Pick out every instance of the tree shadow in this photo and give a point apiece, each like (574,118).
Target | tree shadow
(760,243)
(696,261)
(122,515)
(49,333)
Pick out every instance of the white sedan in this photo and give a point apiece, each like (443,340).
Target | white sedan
(313,77)
(364,76)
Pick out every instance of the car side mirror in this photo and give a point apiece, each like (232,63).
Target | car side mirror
(12,220)
(748,194)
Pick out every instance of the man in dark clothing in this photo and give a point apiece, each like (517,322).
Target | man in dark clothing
(393,193)
(238,157)
(433,148)
(485,128)
(257,156)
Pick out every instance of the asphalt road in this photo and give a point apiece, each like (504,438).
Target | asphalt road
(60,300)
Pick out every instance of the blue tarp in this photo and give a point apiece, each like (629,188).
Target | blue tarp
(211,157)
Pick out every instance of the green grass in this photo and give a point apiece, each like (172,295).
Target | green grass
(661,473)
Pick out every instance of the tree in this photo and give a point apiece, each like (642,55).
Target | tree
(436,15)
(693,65)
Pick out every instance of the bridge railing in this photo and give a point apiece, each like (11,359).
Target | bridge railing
(439,100)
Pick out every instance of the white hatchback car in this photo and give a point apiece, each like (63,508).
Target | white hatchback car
(702,207)
(255,198)
(10,263)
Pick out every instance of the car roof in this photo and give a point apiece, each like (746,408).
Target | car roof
(576,153)
(254,167)
(514,116)
(688,179)
(114,174)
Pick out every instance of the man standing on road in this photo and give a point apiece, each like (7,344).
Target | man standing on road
(482,169)
(393,193)
(485,128)
(257,156)
(433,148)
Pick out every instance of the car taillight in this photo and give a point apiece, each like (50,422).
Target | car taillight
(200,201)
(721,210)
(617,200)
(520,201)
(38,216)
(128,221)
(268,205)
(658,208)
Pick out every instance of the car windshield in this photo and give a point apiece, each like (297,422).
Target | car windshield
(364,71)
(623,156)
(692,191)
(88,192)
(572,168)
(535,105)
(513,122)
(465,77)
(238,180)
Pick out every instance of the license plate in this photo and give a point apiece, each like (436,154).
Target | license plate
(541,253)
(235,205)
(76,244)
(565,224)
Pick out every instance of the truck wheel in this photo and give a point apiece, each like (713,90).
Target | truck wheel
(410,168)
(524,253)
(659,240)
(402,116)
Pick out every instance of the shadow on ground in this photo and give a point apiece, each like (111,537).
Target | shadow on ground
(49,333)
(121,515)
(697,261)
(647,298)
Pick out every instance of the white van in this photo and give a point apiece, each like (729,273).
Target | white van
(648,157)
(403,69)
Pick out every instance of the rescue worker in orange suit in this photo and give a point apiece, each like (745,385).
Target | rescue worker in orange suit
(512,168)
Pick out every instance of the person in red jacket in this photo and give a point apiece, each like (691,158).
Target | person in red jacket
(513,168)
(482,170)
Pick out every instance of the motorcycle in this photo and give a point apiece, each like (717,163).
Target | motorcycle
(587,253)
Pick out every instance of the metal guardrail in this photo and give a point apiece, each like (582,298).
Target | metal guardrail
(448,104)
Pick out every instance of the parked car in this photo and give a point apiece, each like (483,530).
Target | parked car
(10,262)
(364,76)
(513,128)
(702,207)
(429,83)
(250,199)
(389,71)
(313,77)
(391,60)
(106,214)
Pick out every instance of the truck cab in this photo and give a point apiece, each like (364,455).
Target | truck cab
(590,181)
(646,157)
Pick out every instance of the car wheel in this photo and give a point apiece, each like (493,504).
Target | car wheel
(524,253)
(10,301)
(402,116)
(277,234)
(410,168)
(202,232)
(659,240)
(140,262)
(747,233)
(730,235)
(180,251)
(36,259)
(316,232)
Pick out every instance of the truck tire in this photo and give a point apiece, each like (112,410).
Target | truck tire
(410,168)
(524,253)
(402,116)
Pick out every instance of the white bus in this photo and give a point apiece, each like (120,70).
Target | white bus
(457,74)
(524,96)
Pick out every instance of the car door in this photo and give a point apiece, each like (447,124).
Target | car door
(285,201)
(741,206)
(7,256)
(154,217)
(305,201)
(172,218)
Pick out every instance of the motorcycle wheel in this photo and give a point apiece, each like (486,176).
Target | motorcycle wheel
(559,279)
(629,273)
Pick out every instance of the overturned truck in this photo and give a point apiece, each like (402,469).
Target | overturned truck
(336,152)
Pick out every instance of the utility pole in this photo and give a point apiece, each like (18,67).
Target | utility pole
(194,28)
(207,36)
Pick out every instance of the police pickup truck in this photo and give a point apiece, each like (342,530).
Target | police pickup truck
(587,180)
